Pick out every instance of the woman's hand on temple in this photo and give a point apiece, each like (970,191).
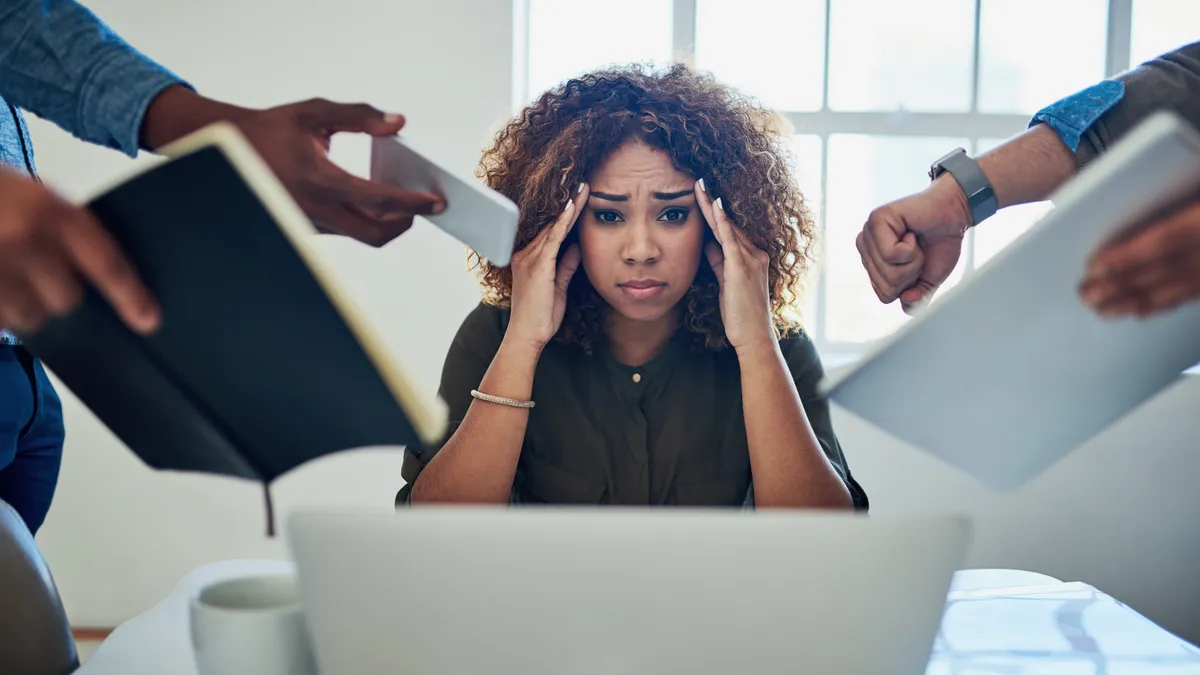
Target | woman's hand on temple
(742,271)
(540,279)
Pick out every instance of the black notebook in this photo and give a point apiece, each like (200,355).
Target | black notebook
(261,363)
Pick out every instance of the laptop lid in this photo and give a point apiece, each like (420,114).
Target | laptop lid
(542,591)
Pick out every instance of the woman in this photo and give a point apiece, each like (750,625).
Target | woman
(638,350)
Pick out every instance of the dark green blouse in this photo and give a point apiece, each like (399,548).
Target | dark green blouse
(670,432)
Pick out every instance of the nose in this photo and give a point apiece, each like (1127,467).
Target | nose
(641,246)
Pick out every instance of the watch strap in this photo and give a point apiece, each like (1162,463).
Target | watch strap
(970,178)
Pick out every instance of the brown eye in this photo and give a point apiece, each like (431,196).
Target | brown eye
(608,217)
(676,215)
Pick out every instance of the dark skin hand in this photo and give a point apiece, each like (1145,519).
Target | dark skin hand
(49,248)
(294,141)
(46,247)
(1154,270)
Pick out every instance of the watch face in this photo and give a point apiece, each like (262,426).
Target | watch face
(936,169)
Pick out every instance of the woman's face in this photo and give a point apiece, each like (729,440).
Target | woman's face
(641,234)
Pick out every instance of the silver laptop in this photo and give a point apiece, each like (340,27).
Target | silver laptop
(1010,371)
(540,591)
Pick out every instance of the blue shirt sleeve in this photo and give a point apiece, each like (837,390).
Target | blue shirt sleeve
(1070,117)
(62,63)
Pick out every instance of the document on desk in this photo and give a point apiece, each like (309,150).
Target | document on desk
(1009,371)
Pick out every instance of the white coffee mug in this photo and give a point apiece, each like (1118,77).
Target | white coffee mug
(251,625)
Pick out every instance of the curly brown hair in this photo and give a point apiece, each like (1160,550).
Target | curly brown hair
(708,129)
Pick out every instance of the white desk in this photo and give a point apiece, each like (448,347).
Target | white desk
(997,622)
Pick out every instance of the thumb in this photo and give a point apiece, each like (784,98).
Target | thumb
(333,117)
(566,268)
(716,260)
(901,251)
(917,297)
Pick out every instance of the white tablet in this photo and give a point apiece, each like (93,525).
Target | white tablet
(475,214)
(1010,371)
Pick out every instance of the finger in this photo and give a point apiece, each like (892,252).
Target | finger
(370,230)
(879,282)
(748,249)
(19,309)
(567,267)
(860,246)
(1169,296)
(891,278)
(899,277)
(53,281)
(725,231)
(742,238)
(330,117)
(704,201)
(716,260)
(1178,231)
(567,219)
(1111,290)
(334,184)
(895,245)
(916,297)
(1126,307)
(90,249)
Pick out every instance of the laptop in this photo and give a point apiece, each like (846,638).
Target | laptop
(604,591)
(1009,371)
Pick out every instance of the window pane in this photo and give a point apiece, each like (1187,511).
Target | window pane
(1002,229)
(901,54)
(569,37)
(866,172)
(806,167)
(993,234)
(780,61)
(1033,52)
(1159,26)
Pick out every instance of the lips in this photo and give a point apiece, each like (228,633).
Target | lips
(642,289)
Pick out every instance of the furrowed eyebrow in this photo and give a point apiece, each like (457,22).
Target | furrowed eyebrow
(662,196)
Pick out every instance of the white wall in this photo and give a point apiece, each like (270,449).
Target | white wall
(1120,513)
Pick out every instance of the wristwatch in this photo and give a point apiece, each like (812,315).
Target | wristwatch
(966,172)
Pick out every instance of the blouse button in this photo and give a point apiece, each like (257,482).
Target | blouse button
(637,377)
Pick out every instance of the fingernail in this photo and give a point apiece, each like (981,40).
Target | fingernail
(701,184)
(570,205)
(439,207)
(718,203)
(393,118)
(579,190)
(150,318)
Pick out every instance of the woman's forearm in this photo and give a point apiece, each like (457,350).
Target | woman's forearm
(477,464)
(786,460)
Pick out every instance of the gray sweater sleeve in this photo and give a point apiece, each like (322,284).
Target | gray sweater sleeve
(1170,81)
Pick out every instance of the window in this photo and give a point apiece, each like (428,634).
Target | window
(876,90)
(1160,26)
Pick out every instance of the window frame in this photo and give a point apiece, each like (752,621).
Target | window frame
(825,122)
